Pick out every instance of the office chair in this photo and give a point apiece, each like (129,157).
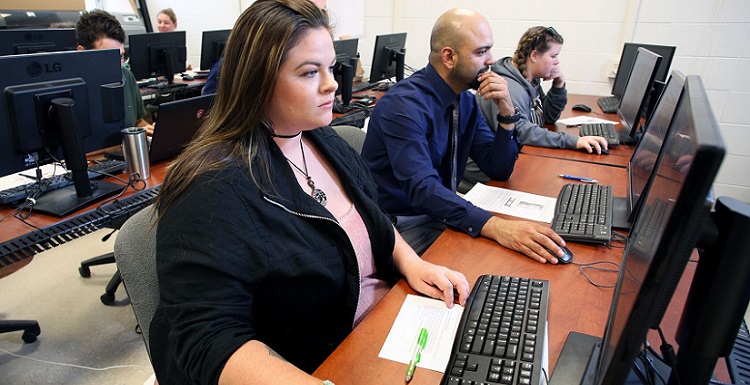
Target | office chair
(84,270)
(30,329)
(355,136)
(135,255)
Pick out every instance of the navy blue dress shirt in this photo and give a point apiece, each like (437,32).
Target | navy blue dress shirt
(407,150)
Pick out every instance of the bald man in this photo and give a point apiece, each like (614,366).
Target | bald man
(417,163)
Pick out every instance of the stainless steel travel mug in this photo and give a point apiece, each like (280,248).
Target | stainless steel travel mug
(135,150)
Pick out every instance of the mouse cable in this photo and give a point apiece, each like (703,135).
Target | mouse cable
(617,237)
(593,265)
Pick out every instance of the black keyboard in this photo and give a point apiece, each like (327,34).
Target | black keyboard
(357,87)
(97,170)
(164,86)
(739,359)
(356,118)
(502,334)
(606,130)
(609,104)
(583,213)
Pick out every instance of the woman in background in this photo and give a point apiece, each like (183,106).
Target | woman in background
(535,60)
(166,20)
(272,222)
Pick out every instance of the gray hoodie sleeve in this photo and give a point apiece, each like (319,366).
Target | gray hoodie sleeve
(554,102)
(527,132)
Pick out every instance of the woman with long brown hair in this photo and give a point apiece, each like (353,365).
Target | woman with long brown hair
(270,245)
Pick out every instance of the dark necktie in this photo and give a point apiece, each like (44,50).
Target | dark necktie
(454,142)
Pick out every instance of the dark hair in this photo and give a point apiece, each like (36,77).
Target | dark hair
(237,128)
(535,38)
(96,25)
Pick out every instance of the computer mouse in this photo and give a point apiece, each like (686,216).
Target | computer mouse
(567,255)
(605,151)
(366,100)
(581,107)
(187,77)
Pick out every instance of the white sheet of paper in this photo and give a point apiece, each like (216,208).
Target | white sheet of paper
(578,120)
(14,180)
(510,202)
(441,323)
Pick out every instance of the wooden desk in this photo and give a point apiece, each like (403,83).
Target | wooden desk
(12,227)
(574,304)
(619,155)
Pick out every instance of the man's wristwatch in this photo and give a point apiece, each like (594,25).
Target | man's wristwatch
(510,119)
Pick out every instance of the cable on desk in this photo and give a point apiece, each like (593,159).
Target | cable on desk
(34,191)
(134,180)
(617,237)
(592,265)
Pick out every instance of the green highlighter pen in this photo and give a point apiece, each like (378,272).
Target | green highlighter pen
(421,342)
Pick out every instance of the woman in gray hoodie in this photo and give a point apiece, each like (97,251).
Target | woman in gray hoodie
(535,60)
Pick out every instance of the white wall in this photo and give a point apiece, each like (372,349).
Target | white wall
(712,39)
(196,16)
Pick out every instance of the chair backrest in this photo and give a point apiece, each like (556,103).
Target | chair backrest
(355,136)
(135,255)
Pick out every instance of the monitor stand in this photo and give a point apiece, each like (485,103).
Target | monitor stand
(625,138)
(620,213)
(577,362)
(63,201)
(574,359)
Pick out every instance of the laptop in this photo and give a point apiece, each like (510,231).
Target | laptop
(176,125)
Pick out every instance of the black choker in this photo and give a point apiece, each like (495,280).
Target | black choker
(286,136)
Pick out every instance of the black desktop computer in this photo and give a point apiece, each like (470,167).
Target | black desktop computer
(346,64)
(674,219)
(26,41)
(157,54)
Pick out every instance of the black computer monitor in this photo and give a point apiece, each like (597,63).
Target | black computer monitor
(627,58)
(646,153)
(346,65)
(637,91)
(157,54)
(60,105)
(388,57)
(711,325)
(24,41)
(662,239)
(212,47)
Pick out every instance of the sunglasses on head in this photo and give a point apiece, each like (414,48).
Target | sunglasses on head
(542,37)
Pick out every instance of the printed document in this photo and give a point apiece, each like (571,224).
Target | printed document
(416,313)
(510,202)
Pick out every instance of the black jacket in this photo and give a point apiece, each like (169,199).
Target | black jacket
(235,265)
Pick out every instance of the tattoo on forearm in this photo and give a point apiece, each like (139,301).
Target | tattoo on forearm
(273,353)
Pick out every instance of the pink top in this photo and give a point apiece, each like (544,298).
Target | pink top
(371,289)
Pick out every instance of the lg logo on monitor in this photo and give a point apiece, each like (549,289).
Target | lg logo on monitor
(35,69)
